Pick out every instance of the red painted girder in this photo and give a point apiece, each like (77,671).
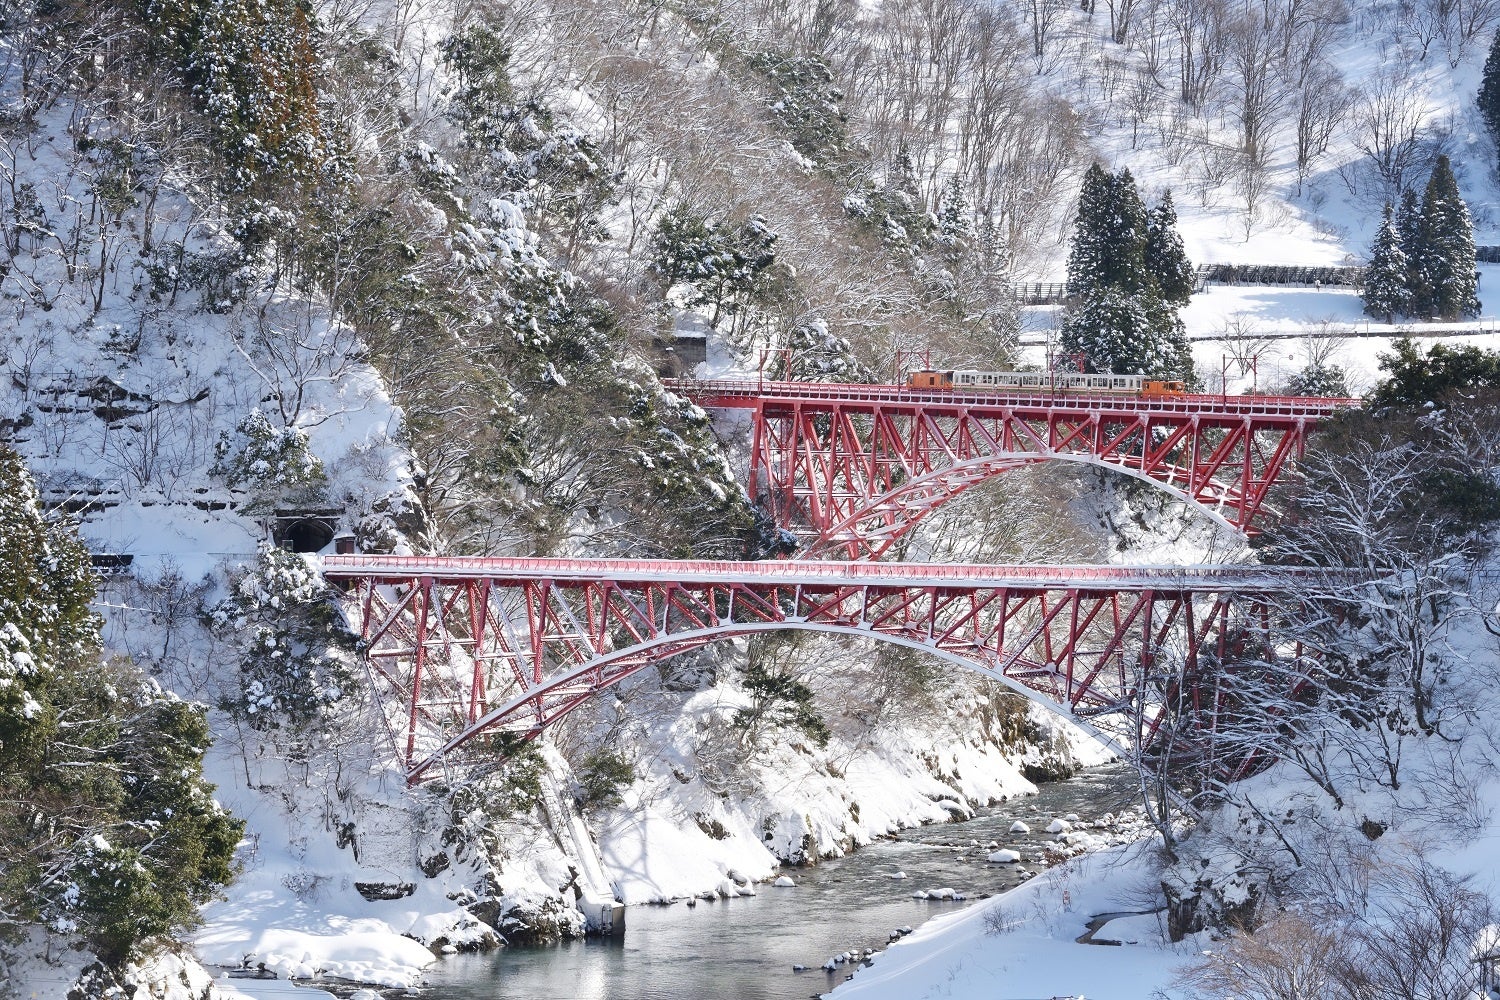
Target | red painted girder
(512,570)
(749,394)
(859,466)
(1083,638)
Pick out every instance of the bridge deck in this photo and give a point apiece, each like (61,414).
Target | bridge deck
(749,393)
(1247,579)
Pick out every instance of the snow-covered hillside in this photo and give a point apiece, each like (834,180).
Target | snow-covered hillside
(428,315)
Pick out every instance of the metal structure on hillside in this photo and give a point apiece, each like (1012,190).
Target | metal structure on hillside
(855,467)
(471,655)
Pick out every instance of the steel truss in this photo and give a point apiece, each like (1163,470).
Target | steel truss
(855,467)
(463,649)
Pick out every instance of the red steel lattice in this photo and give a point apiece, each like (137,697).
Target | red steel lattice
(857,466)
(463,647)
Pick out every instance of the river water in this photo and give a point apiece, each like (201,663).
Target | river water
(745,948)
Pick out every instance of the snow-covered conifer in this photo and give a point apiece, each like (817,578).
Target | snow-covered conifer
(1166,258)
(294,657)
(117,838)
(1488,97)
(955,222)
(1108,235)
(1386,292)
(1449,281)
(1113,328)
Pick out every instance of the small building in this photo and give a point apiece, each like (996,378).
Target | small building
(684,348)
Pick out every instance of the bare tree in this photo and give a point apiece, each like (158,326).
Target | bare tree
(1389,122)
(1290,958)
(1200,27)
(1322,105)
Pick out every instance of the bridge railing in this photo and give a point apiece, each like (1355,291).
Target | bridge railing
(791,572)
(888,393)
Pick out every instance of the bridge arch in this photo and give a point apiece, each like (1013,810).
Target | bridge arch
(835,461)
(870,530)
(525,707)
(461,647)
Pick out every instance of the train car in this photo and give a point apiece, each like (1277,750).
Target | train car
(1053,382)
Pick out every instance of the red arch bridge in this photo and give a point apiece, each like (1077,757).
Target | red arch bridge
(460,649)
(855,467)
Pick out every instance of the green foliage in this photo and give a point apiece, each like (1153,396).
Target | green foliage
(480,58)
(514,789)
(117,836)
(46,624)
(1319,380)
(778,699)
(1166,257)
(1110,236)
(252,66)
(1448,286)
(274,465)
(728,267)
(542,163)
(1127,274)
(1442,375)
(955,230)
(295,656)
(602,777)
(1387,290)
(814,354)
(1423,262)
(1488,98)
(807,105)
(1126,333)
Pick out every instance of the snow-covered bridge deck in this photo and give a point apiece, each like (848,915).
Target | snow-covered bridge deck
(460,647)
(1239,578)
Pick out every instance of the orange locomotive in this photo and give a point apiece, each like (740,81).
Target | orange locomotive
(1119,385)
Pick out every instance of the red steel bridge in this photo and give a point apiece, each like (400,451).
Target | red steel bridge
(473,653)
(855,467)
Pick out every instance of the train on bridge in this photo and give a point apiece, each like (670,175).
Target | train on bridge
(1051,382)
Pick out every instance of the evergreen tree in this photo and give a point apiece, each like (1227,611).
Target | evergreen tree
(1121,261)
(1114,329)
(109,829)
(1166,258)
(1409,234)
(1086,257)
(1449,282)
(955,225)
(1125,235)
(1110,233)
(1489,90)
(1319,380)
(1416,379)
(1386,292)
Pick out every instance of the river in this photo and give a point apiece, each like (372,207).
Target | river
(745,948)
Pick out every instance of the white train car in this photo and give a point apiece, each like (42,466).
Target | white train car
(1046,382)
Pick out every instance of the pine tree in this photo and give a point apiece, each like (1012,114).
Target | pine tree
(117,836)
(1166,258)
(955,225)
(1386,292)
(1127,274)
(1114,329)
(1489,90)
(1125,233)
(1086,257)
(1446,264)
(1409,236)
